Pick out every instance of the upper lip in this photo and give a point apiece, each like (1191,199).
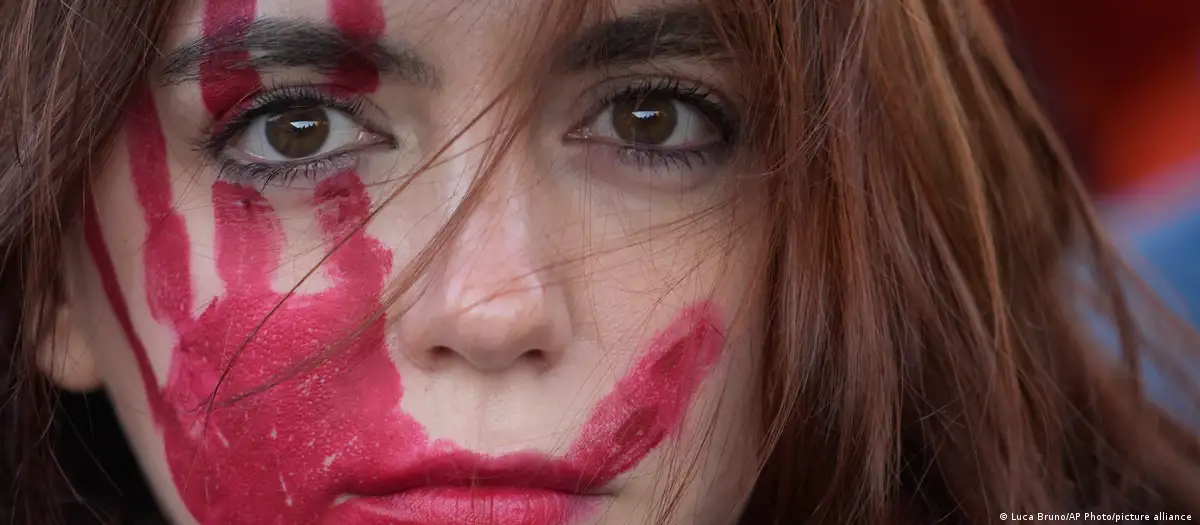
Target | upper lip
(519,470)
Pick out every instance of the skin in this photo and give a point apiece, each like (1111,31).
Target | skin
(580,295)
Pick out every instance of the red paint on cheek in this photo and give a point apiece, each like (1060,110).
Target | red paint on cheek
(284,454)
(650,401)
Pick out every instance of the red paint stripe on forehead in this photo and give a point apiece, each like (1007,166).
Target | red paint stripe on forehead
(360,20)
(221,85)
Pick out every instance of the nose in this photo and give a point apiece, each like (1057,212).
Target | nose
(491,303)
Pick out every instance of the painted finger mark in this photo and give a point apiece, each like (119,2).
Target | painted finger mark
(343,207)
(168,251)
(249,238)
(342,201)
(362,21)
(222,84)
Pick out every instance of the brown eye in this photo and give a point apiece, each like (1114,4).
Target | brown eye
(650,121)
(301,135)
(656,121)
(298,133)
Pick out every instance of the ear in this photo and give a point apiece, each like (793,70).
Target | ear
(64,355)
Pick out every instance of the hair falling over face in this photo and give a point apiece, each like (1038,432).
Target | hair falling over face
(930,333)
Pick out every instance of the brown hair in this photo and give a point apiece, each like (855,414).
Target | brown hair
(935,264)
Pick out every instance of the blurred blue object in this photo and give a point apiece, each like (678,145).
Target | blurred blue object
(1171,254)
(1158,227)
(1159,230)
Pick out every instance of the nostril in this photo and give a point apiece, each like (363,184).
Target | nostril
(535,359)
(441,353)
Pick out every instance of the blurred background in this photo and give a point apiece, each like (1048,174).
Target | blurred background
(1121,79)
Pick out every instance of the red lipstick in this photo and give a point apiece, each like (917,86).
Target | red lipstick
(464,487)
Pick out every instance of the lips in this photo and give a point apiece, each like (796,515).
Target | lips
(465,506)
(468,488)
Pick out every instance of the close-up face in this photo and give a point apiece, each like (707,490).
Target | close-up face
(324,279)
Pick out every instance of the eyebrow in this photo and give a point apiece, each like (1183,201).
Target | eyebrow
(273,43)
(672,32)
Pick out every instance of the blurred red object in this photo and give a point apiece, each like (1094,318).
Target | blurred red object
(1123,79)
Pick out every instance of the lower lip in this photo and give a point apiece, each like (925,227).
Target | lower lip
(465,506)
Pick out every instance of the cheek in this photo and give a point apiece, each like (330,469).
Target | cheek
(718,448)
(720,440)
(717,451)
(729,416)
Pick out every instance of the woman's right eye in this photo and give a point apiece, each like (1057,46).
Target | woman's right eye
(300,134)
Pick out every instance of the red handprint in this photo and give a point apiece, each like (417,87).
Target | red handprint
(258,460)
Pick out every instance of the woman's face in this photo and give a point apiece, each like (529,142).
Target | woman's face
(586,338)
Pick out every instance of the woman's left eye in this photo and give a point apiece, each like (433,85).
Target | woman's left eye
(653,122)
(300,134)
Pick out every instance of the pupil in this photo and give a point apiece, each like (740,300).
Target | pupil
(298,133)
(647,120)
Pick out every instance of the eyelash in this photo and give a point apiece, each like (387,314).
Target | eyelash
(215,143)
